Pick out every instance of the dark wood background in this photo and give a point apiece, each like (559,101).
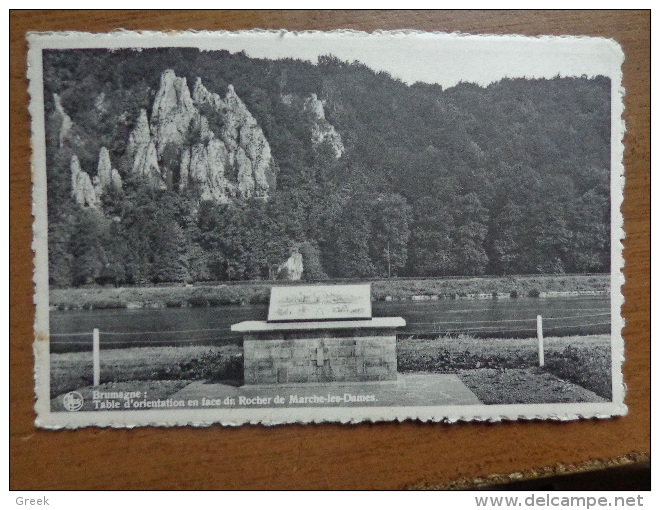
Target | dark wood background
(366,456)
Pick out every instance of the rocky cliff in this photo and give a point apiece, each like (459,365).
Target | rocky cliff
(82,189)
(205,163)
(141,149)
(292,268)
(201,139)
(230,160)
(64,121)
(172,112)
(233,161)
(87,190)
(106,175)
(322,130)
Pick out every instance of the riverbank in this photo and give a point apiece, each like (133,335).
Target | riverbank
(176,296)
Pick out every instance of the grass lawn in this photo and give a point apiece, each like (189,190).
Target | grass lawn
(73,370)
(523,386)
(583,360)
(498,371)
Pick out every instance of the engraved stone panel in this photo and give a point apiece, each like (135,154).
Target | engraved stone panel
(319,302)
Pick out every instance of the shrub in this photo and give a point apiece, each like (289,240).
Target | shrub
(534,293)
(588,367)
(210,366)
(420,356)
(104,304)
(220,301)
(514,294)
(198,301)
(260,297)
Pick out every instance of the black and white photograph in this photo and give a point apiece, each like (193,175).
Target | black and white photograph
(275,227)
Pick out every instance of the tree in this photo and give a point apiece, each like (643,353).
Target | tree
(312,268)
(157,243)
(589,223)
(350,251)
(431,238)
(390,232)
(468,236)
(90,246)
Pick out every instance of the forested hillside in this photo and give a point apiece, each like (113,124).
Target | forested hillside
(177,165)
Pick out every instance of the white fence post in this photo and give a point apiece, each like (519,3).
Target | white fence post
(96,356)
(539,334)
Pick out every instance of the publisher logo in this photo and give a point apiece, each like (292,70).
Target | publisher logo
(73,401)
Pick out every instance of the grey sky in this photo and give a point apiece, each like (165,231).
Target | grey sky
(438,59)
(432,58)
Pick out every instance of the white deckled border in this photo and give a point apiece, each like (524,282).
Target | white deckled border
(605,48)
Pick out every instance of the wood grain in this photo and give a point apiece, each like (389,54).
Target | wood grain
(367,456)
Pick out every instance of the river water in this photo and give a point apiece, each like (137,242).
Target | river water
(515,318)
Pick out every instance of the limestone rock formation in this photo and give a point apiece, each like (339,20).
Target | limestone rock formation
(246,149)
(322,130)
(205,164)
(140,136)
(99,103)
(201,125)
(86,190)
(246,178)
(106,176)
(287,99)
(82,189)
(64,120)
(143,152)
(145,165)
(172,112)
(292,268)
(201,95)
(214,140)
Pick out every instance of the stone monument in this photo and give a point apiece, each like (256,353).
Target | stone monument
(319,334)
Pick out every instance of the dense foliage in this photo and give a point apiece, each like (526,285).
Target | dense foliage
(508,179)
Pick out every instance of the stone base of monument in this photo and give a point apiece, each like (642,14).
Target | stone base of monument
(319,352)
(319,334)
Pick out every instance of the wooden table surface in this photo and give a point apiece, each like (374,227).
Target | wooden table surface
(366,456)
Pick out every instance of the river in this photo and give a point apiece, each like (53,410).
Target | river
(516,318)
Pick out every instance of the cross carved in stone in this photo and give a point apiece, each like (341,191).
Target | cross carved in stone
(320,356)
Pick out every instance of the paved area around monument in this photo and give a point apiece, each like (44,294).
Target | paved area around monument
(409,390)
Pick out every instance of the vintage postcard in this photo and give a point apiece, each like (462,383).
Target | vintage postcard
(274,227)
